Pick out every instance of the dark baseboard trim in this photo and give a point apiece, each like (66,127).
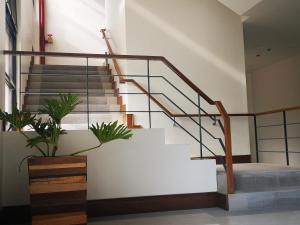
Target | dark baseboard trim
(236,159)
(122,206)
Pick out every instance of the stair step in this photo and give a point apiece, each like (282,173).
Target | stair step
(71,72)
(68,67)
(288,198)
(70,78)
(79,121)
(77,85)
(40,99)
(99,92)
(81,108)
(261,177)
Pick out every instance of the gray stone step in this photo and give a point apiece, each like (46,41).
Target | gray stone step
(40,99)
(79,121)
(71,72)
(68,67)
(70,85)
(81,108)
(69,78)
(261,177)
(98,92)
(288,198)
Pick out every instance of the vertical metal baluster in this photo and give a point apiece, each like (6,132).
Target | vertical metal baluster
(106,61)
(200,125)
(20,83)
(149,102)
(256,139)
(87,92)
(286,139)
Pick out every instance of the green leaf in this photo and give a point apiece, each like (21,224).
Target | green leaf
(109,132)
(57,109)
(17,119)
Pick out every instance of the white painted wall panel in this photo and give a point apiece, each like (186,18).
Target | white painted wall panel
(143,166)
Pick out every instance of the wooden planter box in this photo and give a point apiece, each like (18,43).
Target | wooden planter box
(58,190)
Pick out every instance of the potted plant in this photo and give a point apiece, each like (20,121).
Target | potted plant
(57,184)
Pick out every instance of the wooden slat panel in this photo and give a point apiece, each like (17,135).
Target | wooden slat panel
(54,209)
(60,219)
(57,173)
(51,188)
(57,166)
(51,198)
(59,180)
(56,160)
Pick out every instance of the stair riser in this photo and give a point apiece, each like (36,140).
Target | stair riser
(69,78)
(80,108)
(78,121)
(267,181)
(82,91)
(68,67)
(71,72)
(265,200)
(66,85)
(38,100)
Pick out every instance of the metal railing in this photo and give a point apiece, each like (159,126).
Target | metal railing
(153,97)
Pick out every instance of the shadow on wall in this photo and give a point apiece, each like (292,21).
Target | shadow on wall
(185,40)
(76,24)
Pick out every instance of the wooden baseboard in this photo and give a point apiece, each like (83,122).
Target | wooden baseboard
(122,206)
(236,159)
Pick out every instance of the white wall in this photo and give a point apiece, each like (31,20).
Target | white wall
(206,44)
(75,26)
(273,87)
(142,166)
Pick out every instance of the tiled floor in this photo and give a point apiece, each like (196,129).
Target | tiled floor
(204,217)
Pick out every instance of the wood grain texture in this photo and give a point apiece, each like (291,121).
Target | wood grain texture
(60,180)
(57,173)
(56,160)
(38,188)
(57,166)
(60,219)
(58,190)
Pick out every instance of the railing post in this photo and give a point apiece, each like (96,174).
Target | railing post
(256,139)
(20,82)
(87,92)
(228,147)
(200,126)
(286,139)
(149,88)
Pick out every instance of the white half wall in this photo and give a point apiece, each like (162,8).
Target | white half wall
(142,166)
(75,26)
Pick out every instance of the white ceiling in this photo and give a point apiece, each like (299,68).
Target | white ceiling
(273,25)
(240,6)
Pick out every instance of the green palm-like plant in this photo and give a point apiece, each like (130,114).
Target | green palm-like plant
(108,132)
(57,109)
(48,132)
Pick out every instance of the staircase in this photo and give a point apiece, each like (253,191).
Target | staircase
(47,81)
(262,186)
